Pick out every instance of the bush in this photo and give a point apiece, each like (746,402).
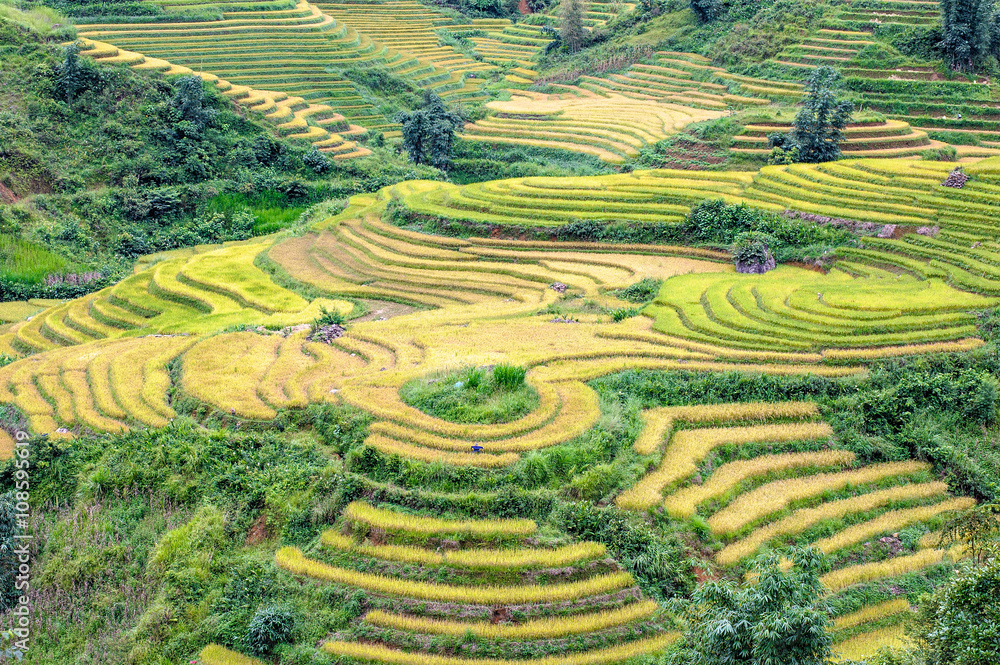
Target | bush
(317,161)
(269,627)
(642,291)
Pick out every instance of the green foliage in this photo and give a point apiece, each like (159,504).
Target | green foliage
(642,291)
(74,76)
(21,261)
(317,161)
(970,32)
(190,104)
(752,247)
(571,29)
(715,221)
(429,131)
(960,623)
(269,627)
(509,377)
(473,396)
(705,10)
(818,128)
(9,530)
(779,617)
(327,318)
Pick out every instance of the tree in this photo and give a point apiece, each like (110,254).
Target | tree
(970,29)
(818,128)
(571,24)
(706,10)
(73,76)
(960,623)
(428,132)
(777,617)
(189,101)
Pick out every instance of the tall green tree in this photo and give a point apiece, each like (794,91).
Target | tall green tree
(189,101)
(429,132)
(778,617)
(73,75)
(571,24)
(819,126)
(970,28)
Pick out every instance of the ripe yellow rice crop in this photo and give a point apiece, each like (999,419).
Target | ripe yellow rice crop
(860,647)
(213,654)
(292,560)
(659,422)
(396,522)
(470,558)
(888,522)
(224,371)
(802,519)
(6,445)
(436,455)
(956,346)
(613,654)
(773,497)
(872,613)
(688,447)
(536,629)
(684,502)
(866,572)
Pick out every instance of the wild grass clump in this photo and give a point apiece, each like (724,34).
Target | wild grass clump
(473,395)
(509,377)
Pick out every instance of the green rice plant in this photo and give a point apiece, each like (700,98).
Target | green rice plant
(872,613)
(889,522)
(231,271)
(878,570)
(775,496)
(614,654)
(397,522)
(688,447)
(684,502)
(515,559)
(292,560)
(17,311)
(535,629)
(214,654)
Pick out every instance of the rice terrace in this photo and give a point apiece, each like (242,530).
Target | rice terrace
(500,332)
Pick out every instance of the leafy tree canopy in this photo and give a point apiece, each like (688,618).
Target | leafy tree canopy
(428,132)
(777,617)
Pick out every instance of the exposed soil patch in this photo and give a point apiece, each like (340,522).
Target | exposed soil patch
(6,196)
(258,532)
(380,310)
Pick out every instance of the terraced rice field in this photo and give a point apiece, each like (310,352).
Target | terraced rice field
(768,475)
(590,612)
(892,138)
(286,63)
(915,92)
(612,128)
(488,299)
(209,332)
